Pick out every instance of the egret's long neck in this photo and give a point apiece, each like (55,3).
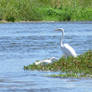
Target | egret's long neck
(62,38)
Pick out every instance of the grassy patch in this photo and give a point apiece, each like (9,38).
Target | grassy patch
(65,75)
(45,10)
(80,66)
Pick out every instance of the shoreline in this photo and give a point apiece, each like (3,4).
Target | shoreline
(44,21)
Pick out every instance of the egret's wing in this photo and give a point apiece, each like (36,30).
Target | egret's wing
(69,50)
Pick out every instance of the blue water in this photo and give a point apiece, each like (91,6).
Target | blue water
(23,43)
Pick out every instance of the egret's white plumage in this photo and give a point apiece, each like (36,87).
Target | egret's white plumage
(46,61)
(66,48)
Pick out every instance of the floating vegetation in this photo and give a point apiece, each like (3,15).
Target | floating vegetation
(80,66)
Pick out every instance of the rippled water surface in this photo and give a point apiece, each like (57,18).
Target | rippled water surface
(23,43)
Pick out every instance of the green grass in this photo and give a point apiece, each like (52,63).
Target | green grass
(65,75)
(45,10)
(79,66)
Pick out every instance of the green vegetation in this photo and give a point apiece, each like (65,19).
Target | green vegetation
(80,66)
(45,10)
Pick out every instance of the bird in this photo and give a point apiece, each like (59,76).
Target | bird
(46,61)
(66,48)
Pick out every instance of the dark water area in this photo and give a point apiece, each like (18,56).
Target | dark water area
(23,43)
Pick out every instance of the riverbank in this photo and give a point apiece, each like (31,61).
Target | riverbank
(69,67)
(64,22)
(44,10)
(51,14)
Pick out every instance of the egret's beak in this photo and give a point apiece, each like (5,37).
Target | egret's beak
(59,29)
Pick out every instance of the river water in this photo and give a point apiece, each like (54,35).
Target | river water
(23,43)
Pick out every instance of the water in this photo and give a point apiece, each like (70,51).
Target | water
(23,43)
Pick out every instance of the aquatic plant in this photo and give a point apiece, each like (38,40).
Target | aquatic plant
(79,66)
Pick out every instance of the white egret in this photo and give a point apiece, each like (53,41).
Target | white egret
(66,48)
(46,61)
